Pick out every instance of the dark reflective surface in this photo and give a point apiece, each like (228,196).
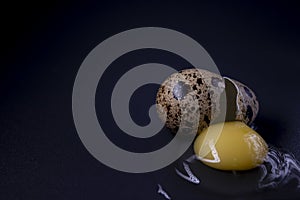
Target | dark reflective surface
(44,45)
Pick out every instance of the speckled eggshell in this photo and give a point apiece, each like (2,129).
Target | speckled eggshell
(247,104)
(182,93)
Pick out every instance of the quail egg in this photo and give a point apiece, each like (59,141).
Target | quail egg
(192,97)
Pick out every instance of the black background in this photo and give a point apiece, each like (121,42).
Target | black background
(43,45)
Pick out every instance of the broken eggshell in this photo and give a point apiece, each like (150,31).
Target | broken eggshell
(191,99)
(246,105)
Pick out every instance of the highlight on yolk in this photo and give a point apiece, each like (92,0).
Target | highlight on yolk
(230,146)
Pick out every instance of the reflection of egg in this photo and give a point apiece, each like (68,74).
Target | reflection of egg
(230,146)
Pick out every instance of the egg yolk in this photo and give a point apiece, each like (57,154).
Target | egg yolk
(230,146)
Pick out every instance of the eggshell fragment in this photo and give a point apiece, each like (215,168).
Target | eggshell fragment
(245,101)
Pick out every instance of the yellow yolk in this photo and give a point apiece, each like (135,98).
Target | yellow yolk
(230,146)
